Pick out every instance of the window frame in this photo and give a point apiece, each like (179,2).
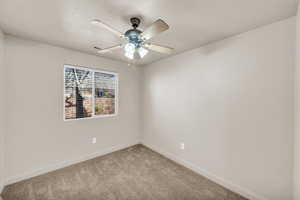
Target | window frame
(93,70)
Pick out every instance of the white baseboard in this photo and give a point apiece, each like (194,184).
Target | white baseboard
(227,184)
(37,172)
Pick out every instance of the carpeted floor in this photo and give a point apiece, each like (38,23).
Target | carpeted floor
(135,173)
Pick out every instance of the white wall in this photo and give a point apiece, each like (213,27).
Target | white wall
(2,110)
(231,103)
(38,137)
(297,113)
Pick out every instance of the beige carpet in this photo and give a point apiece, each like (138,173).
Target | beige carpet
(135,173)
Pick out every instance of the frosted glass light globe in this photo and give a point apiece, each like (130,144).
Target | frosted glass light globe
(129,48)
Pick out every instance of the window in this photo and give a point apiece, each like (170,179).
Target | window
(89,93)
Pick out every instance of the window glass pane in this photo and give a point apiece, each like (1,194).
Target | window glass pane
(105,93)
(78,93)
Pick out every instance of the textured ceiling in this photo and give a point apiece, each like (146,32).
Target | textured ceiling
(192,22)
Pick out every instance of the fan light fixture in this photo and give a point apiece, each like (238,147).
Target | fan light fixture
(129,50)
(129,55)
(142,52)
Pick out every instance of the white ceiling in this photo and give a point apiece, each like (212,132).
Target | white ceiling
(192,22)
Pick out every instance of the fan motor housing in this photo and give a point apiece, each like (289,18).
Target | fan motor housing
(133,36)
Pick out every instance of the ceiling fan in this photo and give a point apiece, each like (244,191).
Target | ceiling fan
(136,45)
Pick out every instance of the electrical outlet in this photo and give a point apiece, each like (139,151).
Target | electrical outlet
(182,146)
(94,140)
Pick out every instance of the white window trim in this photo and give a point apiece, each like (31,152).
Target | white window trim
(93,93)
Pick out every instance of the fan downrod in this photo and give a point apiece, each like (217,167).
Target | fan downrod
(135,22)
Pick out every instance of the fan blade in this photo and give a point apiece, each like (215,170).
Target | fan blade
(106,26)
(154,29)
(109,49)
(158,48)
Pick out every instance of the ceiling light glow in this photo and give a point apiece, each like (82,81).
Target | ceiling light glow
(129,55)
(142,51)
(129,48)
